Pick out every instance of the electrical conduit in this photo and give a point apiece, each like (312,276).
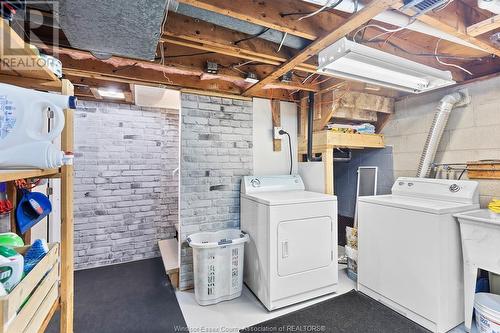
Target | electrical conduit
(446,104)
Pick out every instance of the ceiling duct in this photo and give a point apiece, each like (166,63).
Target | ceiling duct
(113,27)
(423,6)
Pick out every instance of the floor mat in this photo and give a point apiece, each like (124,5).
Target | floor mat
(134,297)
(352,312)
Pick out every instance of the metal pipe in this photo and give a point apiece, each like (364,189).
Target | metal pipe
(446,104)
(310,124)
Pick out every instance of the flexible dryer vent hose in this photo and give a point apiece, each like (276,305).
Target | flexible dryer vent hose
(446,104)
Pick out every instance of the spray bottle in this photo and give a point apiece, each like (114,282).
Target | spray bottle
(24,140)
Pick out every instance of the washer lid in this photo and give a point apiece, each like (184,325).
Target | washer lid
(418,204)
(288,197)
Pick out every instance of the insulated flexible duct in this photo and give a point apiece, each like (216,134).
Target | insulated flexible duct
(446,104)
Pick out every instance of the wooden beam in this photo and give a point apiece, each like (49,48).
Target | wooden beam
(276,122)
(367,13)
(454,25)
(269,13)
(176,75)
(484,26)
(187,31)
(31,83)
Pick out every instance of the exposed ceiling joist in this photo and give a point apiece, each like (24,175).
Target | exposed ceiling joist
(454,25)
(186,31)
(180,72)
(270,14)
(484,26)
(370,11)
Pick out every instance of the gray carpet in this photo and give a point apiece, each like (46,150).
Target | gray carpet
(128,298)
(352,312)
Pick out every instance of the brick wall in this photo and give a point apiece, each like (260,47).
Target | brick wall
(126,197)
(216,151)
(472,133)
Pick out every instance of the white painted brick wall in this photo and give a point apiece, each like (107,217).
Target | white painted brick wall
(216,151)
(473,132)
(126,197)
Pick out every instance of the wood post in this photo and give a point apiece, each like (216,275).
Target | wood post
(276,117)
(67,278)
(327,158)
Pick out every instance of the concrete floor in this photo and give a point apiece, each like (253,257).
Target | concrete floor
(245,311)
(137,297)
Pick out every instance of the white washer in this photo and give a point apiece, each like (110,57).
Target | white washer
(409,250)
(292,253)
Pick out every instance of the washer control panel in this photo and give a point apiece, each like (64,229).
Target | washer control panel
(439,189)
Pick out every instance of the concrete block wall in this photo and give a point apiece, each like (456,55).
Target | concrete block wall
(216,151)
(126,196)
(472,133)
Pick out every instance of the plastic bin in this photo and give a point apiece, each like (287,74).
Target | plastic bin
(218,265)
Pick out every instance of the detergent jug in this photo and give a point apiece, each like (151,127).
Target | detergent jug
(11,267)
(24,140)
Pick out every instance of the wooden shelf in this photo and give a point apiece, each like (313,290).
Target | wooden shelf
(32,74)
(20,63)
(9,175)
(325,140)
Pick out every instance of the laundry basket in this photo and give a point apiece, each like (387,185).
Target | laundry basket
(218,265)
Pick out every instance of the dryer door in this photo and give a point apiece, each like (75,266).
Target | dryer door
(304,245)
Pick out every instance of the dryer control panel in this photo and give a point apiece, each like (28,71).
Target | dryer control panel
(255,184)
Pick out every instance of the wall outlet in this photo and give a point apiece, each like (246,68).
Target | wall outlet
(277,134)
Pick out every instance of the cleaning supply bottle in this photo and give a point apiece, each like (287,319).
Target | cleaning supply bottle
(5,204)
(10,239)
(24,140)
(11,267)
(494,207)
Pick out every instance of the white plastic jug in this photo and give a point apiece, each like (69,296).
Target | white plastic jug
(24,140)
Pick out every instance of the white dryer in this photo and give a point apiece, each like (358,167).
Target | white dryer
(292,253)
(409,249)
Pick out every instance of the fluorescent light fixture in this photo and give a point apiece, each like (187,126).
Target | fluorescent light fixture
(111,93)
(350,60)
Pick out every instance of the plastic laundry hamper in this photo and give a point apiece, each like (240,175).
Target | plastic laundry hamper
(218,265)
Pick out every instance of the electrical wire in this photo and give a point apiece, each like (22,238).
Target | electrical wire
(386,30)
(283,132)
(309,14)
(327,5)
(448,56)
(442,7)
(282,41)
(252,36)
(446,63)
(308,77)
